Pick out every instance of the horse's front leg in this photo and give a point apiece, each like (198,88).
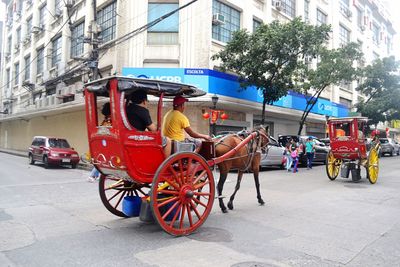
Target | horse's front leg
(237,187)
(220,187)
(256,170)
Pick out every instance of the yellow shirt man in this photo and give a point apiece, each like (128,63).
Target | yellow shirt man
(174,124)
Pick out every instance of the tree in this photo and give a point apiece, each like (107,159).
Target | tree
(268,58)
(333,67)
(381,86)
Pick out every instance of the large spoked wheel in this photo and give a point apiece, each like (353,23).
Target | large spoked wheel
(113,190)
(182,193)
(332,166)
(373,165)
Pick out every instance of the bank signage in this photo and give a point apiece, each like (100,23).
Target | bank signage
(220,83)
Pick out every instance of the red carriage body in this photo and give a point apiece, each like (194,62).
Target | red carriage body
(349,151)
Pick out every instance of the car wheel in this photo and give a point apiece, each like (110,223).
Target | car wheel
(31,161)
(46,162)
(392,153)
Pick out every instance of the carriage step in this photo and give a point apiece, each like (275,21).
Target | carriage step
(220,197)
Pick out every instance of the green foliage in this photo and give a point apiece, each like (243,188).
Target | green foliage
(334,66)
(269,57)
(381,86)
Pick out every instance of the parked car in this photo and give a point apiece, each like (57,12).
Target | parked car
(273,155)
(326,141)
(52,151)
(320,148)
(389,146)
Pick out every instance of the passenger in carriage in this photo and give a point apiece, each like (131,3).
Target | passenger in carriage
(139,117)
(175,124)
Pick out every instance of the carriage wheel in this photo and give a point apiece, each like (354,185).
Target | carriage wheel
(332,166)
(113,190)
(182,193)
(373,166)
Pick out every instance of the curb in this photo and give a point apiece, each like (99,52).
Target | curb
(82,166)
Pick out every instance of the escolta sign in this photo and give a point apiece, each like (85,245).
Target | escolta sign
(221,83)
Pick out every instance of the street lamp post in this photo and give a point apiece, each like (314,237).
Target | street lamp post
(214,100)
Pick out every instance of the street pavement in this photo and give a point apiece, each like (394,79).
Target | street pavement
(55,217)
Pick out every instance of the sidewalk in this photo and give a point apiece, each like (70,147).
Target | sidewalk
(20,153)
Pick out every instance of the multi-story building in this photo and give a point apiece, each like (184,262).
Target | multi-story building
(46,46)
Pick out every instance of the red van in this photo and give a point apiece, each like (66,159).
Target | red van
(52,151)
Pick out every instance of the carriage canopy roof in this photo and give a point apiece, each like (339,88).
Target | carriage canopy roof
(347,119)
(152,87)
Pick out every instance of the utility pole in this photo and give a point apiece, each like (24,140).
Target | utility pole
(93,63)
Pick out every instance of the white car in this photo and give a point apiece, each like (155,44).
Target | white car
(273,155)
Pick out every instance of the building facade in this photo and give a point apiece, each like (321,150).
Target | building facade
(47,51)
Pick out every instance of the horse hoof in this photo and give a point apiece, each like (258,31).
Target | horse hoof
(224,210)
(230,206)
(261,202)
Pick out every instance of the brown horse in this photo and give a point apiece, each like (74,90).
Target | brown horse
(246,158)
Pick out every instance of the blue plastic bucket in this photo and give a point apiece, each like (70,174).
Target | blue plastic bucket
(131,206)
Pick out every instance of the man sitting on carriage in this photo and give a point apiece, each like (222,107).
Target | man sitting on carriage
(139,117)
(175,124)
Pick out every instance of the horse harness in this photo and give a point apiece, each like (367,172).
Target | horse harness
(251,149)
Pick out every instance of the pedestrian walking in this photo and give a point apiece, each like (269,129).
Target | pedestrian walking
(295,159)
(310,151)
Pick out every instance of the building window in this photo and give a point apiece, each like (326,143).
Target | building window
(165,32)
(42,16)
(9,43)
(256,24)
(344,35)
(346,102)
(8,78)
(289,7)
(18,41)
(16,74)
(360,22)
(56,51)
(28,27)
(223,32)
(27,68)
(322,18)
(77,39)
(106,18)
(307,10)
(40,61)
(58,5)
(375,33)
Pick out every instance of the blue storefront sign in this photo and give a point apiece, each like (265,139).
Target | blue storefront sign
(220,83)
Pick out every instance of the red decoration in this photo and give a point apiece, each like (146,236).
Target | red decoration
(224,116)
(206,115)
(214,116)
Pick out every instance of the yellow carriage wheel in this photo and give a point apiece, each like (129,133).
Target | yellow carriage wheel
(373,166)
(332,166)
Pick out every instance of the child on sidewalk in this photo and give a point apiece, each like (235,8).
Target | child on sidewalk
(295,159)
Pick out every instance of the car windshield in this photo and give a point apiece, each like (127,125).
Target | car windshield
(58,143)
(384,141)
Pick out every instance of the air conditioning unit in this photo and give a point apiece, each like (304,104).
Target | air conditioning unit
(218,19)
(37,29)
(9,24)
(277,4)
(27,40)
(362,28)
(17,15)
(16,47)
(58,13)
(70,3)
(348,13)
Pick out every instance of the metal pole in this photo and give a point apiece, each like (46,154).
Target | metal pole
(214,126)
(95,52)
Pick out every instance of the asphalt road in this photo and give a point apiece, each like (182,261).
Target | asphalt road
(55,218)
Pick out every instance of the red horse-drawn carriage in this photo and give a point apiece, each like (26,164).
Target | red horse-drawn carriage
(349,151)
(179,190)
